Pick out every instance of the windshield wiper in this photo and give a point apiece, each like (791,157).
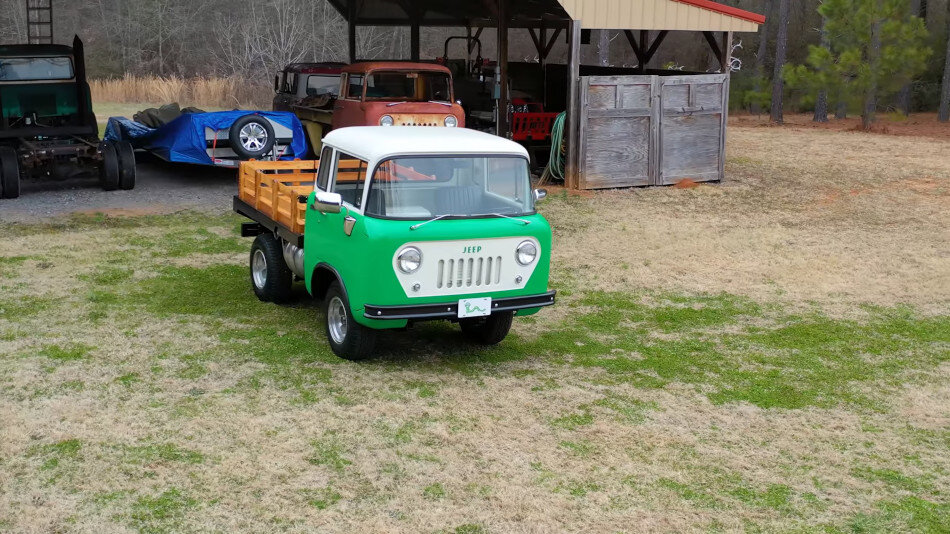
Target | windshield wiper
(523,221)
(417,225)
(449,104)
(391,104)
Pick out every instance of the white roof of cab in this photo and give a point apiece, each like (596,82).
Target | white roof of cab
(375,143)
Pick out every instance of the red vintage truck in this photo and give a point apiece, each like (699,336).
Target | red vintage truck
(383,93)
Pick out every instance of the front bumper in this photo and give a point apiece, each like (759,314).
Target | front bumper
(449,310)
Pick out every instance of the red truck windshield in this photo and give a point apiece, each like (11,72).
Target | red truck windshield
(408,86)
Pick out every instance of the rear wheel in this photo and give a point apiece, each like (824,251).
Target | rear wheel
(489,330)
(9,173)
(271,279)
(108,167)
(126,157)
(348,339)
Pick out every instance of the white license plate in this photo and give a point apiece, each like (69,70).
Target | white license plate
(474,307)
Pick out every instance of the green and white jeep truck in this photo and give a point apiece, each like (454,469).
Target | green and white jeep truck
(407,224)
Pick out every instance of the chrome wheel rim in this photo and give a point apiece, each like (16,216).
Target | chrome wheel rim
(253,136)
(259,269)
(336,320)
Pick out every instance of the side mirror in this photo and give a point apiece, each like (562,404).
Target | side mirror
(540,194)
(277,83)
(327,202)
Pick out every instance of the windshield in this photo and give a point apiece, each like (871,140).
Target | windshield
(464,186)
(320,84)
(408,86)
(17,69)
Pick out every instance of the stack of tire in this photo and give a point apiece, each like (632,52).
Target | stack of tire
(116,168)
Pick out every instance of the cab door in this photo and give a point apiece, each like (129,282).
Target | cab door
(329,237)
(348,110)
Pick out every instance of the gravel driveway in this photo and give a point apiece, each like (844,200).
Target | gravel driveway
(160,187)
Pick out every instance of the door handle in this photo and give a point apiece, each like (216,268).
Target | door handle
(348,223)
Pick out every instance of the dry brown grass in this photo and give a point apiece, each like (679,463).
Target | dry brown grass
(837,218)
(214,92)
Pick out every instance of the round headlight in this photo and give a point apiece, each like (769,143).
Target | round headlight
(409,259)
(451,121)
(526,253)
(386,120)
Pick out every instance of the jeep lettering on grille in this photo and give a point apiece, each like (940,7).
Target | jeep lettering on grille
(472,250)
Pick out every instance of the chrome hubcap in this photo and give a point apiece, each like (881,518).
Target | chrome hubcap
(259,269)
(253,136)
(336,319)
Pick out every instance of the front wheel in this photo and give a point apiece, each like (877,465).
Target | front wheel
(108,167)
(489,330)
(9,173)
(348,339)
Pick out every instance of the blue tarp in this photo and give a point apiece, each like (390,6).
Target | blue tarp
(183,139)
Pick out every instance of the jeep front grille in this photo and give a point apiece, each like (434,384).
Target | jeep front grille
(469,272)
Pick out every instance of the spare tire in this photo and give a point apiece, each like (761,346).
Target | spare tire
(251,136)
(9,173)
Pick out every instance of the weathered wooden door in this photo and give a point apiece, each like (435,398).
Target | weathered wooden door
(692,128)
(617,131)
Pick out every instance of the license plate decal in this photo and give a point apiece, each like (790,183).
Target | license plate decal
(479,307)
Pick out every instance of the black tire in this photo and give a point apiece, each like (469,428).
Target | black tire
(272,281)
(126,155)
(9,173)
(357,341)
(489,330)
(255,148)
(108,167)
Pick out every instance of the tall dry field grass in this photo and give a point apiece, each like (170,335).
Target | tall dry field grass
(230,92)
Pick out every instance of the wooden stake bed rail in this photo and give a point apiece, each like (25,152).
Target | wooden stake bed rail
(273,188)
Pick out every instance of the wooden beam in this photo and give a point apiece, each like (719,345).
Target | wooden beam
(414,39)
(552,41)
(656,44)
(711,39)
(501,125)
(351,29)
(573,104)
(637,49)
(478,34)
(537,44)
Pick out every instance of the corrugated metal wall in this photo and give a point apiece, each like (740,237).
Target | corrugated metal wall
(652,15)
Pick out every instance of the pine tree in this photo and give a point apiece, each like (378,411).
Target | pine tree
(873,49)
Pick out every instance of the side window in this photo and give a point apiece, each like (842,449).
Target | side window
(292,82)
(354,87)
(350,177)
(326,161)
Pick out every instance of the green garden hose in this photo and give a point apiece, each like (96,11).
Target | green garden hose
(555,168)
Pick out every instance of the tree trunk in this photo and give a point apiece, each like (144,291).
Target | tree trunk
(904,97)
(781,46)
(944,114)
(821,104)
(756,108)
(841,109)
(874,63)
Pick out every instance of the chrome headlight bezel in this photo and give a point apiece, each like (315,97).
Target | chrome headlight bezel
(386,120)
(526,253)
(409,260)
(450,121)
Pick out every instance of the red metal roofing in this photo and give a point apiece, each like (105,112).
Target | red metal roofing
(726,10)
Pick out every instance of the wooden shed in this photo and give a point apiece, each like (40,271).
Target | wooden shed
(625,127)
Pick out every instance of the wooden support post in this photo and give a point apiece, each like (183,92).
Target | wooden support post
(644,43)
(414,36)
(637,47)
(501,125)
(551,42)
(572,165)
(351,29)
(656,44)
(726,52)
